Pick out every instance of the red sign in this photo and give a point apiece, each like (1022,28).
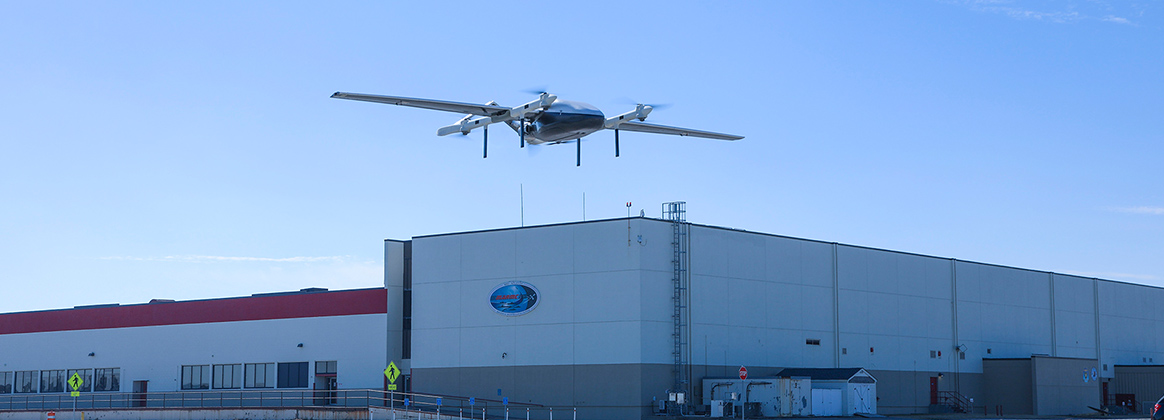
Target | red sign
(743,373)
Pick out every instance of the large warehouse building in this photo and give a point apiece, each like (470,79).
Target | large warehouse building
(615,316)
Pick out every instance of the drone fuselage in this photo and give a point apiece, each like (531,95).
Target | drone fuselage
(564,121)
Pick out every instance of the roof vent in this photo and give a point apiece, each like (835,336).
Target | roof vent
(153,301)
(313,290)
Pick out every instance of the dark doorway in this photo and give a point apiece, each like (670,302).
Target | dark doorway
(326,383)
(933,390)
(1106,397)
(1128,401)
(140,389)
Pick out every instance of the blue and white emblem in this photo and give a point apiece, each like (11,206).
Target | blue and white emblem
(514,298)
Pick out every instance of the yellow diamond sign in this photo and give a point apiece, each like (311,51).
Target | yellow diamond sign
(75,381)
(392,372)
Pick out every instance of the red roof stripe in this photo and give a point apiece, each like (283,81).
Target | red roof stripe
(254,308)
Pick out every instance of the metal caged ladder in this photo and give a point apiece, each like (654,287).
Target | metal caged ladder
(676,213)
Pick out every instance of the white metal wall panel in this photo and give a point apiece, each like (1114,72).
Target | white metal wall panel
(797,261)
(1074,317)
(555,344)
(156,353)
(489,255)
(756,299)
(1003,309)
(1131,330)
(602,246)
(544,251)
(896,304)
(590,307)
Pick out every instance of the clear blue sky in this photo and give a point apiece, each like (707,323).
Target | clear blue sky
(189,150)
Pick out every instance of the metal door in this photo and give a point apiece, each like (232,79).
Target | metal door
(140,389)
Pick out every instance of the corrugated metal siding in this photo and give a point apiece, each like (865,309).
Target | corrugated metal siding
(1146,382)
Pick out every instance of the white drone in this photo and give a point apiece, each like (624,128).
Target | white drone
(547,120)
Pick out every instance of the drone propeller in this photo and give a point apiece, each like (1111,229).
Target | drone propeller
(538,90)
(629,101)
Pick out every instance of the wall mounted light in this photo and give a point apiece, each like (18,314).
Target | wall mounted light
(300,345)
(91,354)
(503,355)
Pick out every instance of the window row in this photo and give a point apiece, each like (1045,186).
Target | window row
(251,375)
(27,381)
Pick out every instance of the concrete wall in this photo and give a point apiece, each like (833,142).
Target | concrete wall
(1041,385)
(157,353)
(617,391)
(1062,386)
(1009,386)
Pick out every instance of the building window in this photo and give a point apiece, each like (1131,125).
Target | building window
(260,375)
(228,376)
(196,377)
(108,380)
(5,382)
(844,350)
(812,341)
(25,382)
(52,380)
(933,354)
(962,355)
(86,379)
(324,368)
(293,375)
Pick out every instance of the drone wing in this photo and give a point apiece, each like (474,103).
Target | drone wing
(676,131)
(458,107)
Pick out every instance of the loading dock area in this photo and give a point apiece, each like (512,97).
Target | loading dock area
(794,393)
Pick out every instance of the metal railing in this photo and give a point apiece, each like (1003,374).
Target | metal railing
(445,405)
(956,401)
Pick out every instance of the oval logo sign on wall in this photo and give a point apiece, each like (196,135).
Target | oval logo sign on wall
(514,298)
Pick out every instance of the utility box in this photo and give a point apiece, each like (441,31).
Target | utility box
(719,408)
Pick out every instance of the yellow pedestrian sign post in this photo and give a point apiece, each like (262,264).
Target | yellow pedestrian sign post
(75,383)
(393,373)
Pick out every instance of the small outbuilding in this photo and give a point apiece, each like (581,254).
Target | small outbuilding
(840,391)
